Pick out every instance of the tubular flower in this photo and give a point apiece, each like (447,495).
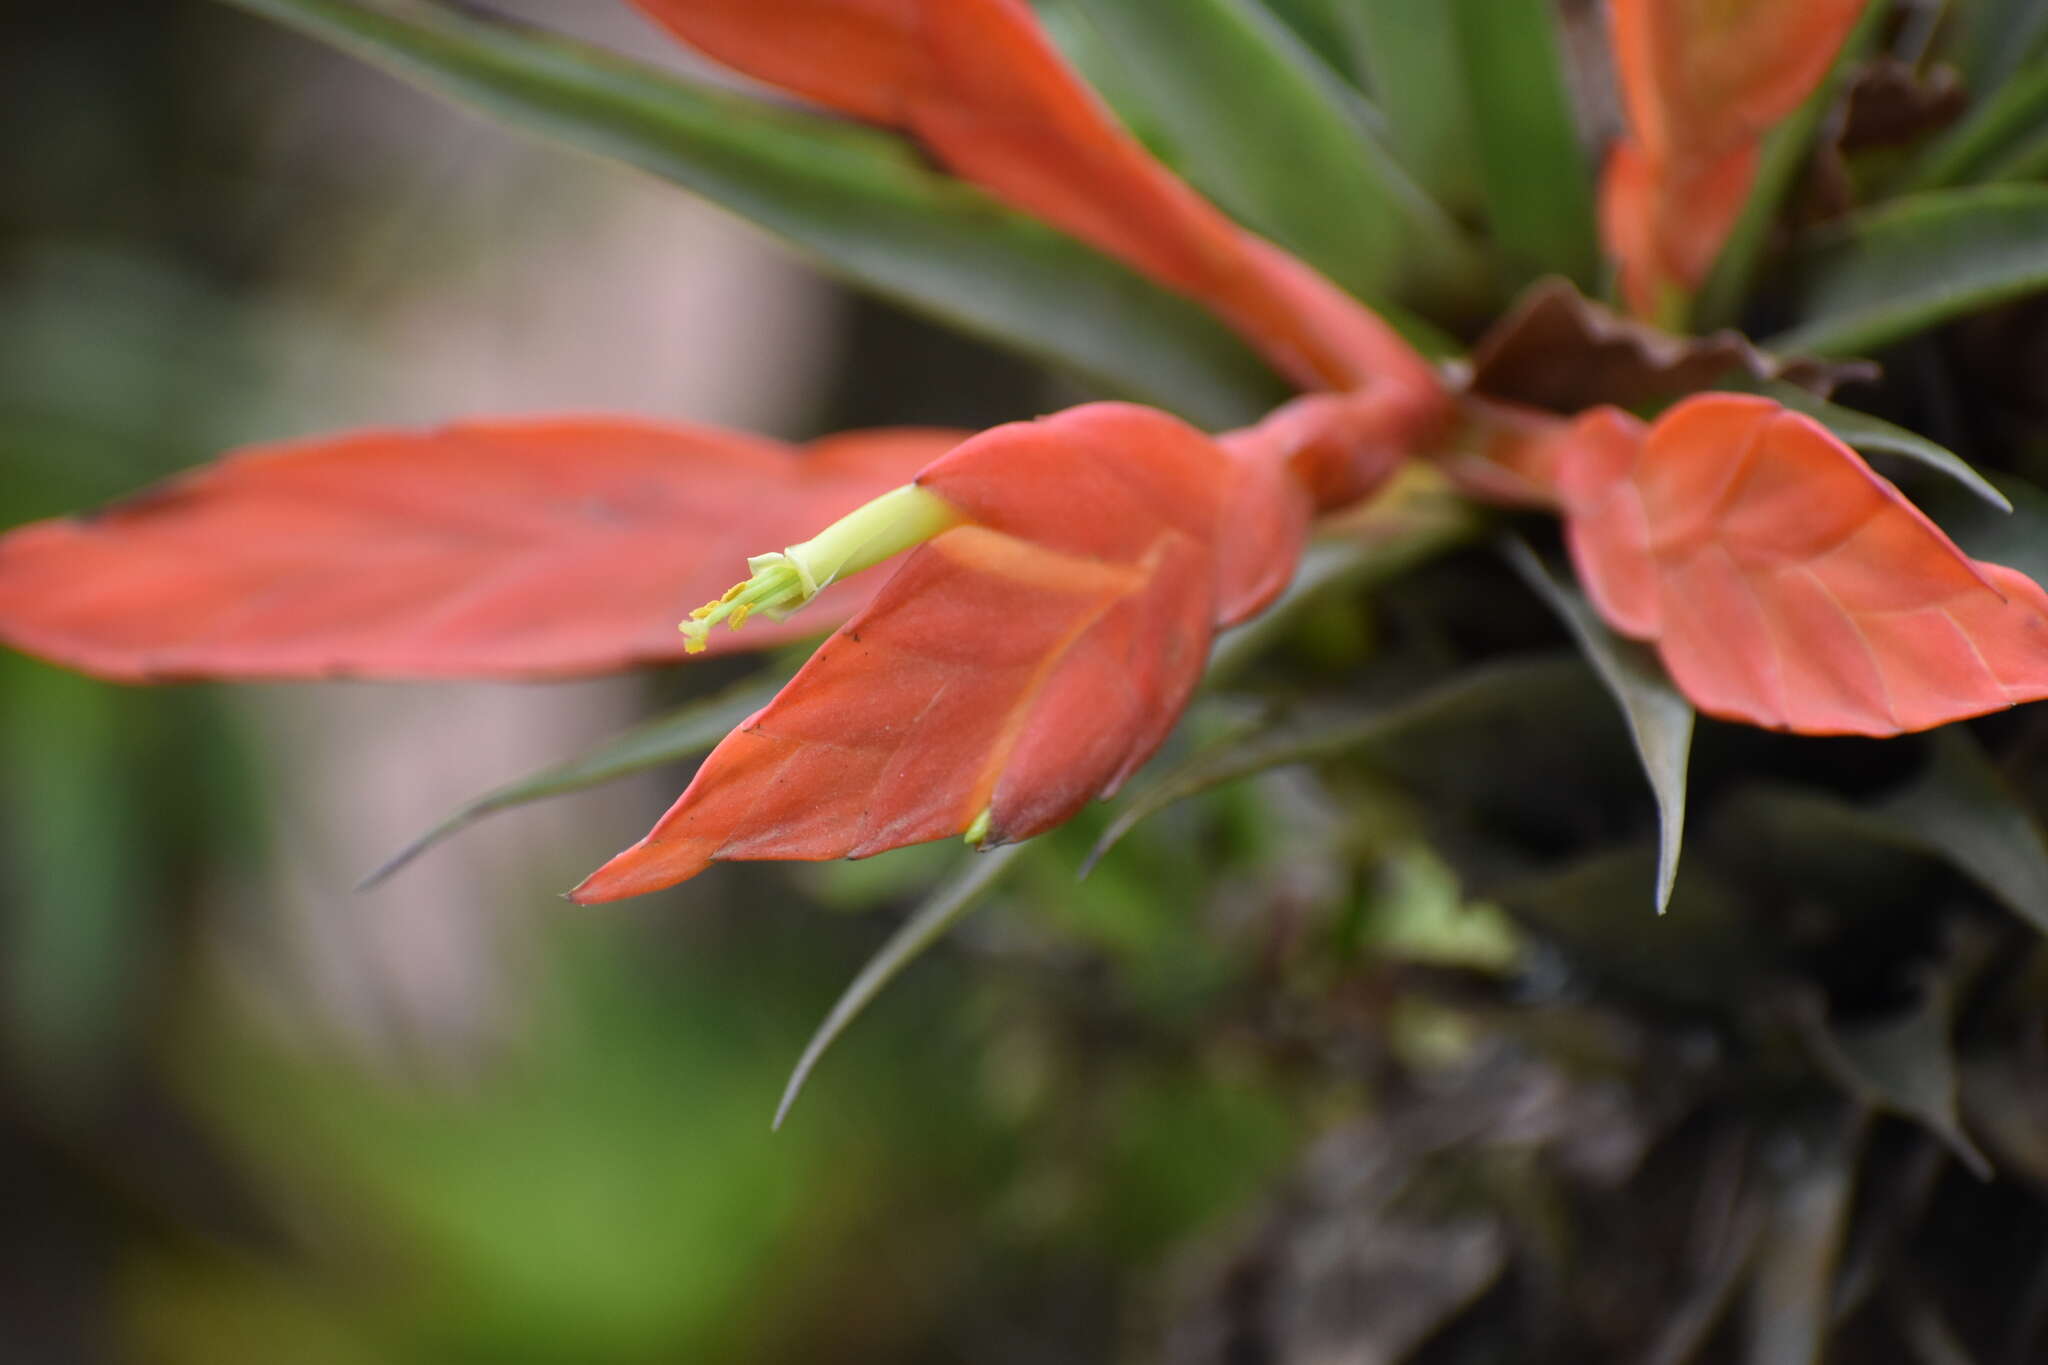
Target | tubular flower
(1702,82)
(1032,652)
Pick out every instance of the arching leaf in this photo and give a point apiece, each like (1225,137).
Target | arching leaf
(980,85)
(1917,263)
(944,908)
(862,202)
(1230,82)
(546,547)
(1659,718)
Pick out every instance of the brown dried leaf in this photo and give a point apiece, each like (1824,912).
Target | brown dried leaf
(1560,350)
(1892,103)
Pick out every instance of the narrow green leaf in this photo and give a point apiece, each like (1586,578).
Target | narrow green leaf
(2018,539)
(1918,263)
(1261,125)
(1997,38)
(1902,1065)
(860,202)
(1970,151)
(927,925)
(1721,299)
(1962,809)
(1407,51)
(1660,719)
(1320,24)
(1537,185)
(1874,434)
(1316,734)
(686,732)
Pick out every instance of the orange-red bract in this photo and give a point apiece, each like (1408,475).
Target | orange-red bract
(1702,82)
(979,84)
(1019,664)
(517,548)
(1785,583)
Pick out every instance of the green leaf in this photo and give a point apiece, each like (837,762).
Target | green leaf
(2018,539)
(1972,150)
(1408,52)
(1537,185)
(1874,434)
(1996,38)
(686,732)
(1917,263)
(1660,719)
(1262,126)
(1963,810)
(862,203)
(1315,734)
(927,925)
(1786,148)
(1903,1065)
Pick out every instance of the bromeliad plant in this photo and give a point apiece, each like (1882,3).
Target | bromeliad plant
(1023,615)
(1062,579)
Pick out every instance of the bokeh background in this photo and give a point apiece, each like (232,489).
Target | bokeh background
(247,1115)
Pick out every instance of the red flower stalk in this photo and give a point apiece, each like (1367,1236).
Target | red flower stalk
(1702,82)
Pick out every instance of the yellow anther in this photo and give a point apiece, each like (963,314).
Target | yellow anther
(783,581)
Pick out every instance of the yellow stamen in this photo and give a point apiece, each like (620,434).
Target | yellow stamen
(779,583)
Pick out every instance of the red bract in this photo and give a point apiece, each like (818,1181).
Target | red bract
(1012,669)
(1785,583)
(979,84)
(547,547)
(1702,82)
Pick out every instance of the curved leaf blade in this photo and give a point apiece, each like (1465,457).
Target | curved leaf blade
(945,907)
(1995,131)
(1536,184)
(1314,735)
(1407,51)
(1874,435)
(1962,809)
(521,548)
(860,202)
(1660,719)
(1918,263)
(1228,83)
(689,731)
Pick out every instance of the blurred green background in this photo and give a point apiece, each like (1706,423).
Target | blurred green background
(249,1116)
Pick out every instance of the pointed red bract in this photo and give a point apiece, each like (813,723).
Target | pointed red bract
(543,547)
(980,85)
(1785,583)
(1702,82)
(1019,665)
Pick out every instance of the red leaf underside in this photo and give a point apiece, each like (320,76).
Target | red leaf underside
(533,548)
(1787,584)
